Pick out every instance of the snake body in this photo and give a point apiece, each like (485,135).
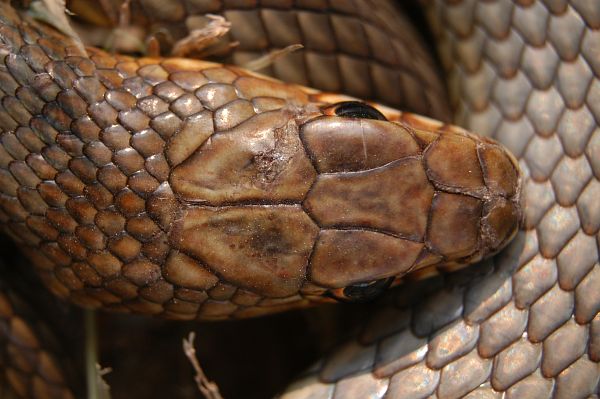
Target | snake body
(107,165)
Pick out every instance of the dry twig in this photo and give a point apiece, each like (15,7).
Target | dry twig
(209,389)
(102,387)
(97,388)
(200,39)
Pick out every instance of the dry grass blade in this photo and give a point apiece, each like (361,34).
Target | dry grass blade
(54,13)
(209,389)
(268,59)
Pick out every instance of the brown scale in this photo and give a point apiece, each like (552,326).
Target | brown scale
(32,362)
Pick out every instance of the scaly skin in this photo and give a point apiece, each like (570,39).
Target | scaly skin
(367,49)
(192,190)
(462,386)
(525,325)
(31,362)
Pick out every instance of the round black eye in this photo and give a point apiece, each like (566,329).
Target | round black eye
(356,109)
(362,292)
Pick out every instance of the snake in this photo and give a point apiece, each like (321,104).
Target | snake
(289,195)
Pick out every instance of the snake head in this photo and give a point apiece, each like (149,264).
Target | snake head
(341,201)
(402,195)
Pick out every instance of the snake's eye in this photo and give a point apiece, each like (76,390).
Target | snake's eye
(362,292)
(356,109)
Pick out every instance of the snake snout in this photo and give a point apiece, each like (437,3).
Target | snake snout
(477,202)
(502,213)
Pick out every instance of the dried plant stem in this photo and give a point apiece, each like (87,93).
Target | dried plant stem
(91,353)
(209,389)
(97,388)
(269,59)
(200,39)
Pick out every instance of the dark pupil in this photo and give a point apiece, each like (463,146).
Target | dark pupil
(355,109)
(364,292)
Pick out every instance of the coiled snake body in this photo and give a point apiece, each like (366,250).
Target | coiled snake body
(191,190)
